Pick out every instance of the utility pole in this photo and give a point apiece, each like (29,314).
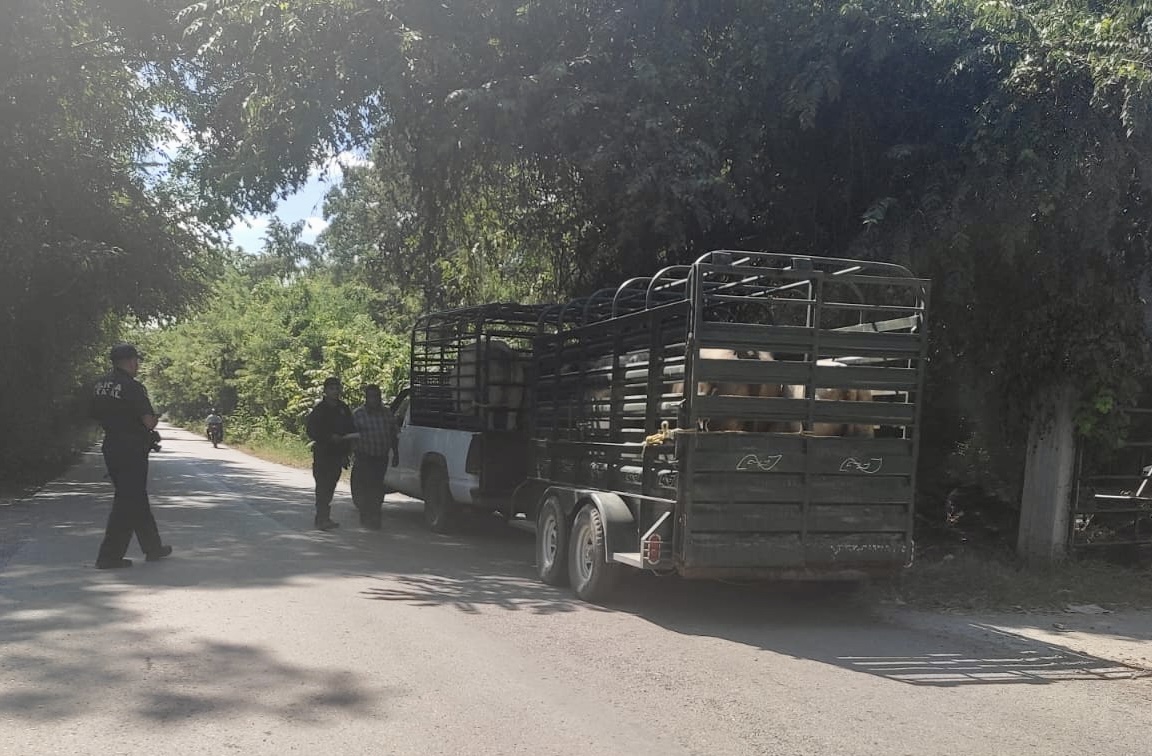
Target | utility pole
(1045,503)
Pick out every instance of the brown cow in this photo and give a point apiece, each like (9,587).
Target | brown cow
(837,394)
(770,390)
(738,389)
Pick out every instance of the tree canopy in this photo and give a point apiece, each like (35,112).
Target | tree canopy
(90,234)
(1001,149)
(263,344)
(532,149)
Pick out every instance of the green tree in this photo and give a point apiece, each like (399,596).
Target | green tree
(285,254)
(1001,149)
(261,346)
(90,235)
(493,246)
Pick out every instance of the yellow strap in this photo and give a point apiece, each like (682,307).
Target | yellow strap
(663,435)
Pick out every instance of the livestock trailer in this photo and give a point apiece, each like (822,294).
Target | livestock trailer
(750,415)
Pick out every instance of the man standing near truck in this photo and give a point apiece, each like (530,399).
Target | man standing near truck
(377,437)
(332,431)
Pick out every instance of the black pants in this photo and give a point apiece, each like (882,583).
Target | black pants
(326,473)
(127,465)
(368,486)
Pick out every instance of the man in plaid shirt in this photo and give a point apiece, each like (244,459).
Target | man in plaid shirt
(377,440)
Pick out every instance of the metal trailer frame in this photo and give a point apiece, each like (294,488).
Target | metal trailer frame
(493,442)
(439,340)
(615,428)
(1111,511)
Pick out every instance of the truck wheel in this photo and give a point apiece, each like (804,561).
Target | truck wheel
(552,543)
(593,577)
(439,508)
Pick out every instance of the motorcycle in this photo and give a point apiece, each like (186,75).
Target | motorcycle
(216,434)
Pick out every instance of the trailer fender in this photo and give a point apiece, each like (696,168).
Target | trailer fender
(526,499)
(619,524)
(567,498)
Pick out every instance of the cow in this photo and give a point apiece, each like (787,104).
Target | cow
(502,371)
(598,391)
(725,388)
(597,385)
(772,390)
(836,394)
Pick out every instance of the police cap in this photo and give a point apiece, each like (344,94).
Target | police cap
(124,351)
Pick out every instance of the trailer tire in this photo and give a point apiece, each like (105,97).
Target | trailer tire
(552,534)
(439,507)
(592,576)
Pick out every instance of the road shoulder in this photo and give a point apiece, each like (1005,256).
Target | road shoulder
(1121,637)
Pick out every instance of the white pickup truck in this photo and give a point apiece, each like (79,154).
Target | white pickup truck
(463,428)
(434,467)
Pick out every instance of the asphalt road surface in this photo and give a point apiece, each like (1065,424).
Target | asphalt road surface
(262,636)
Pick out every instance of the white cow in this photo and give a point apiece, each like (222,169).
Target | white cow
(502,372)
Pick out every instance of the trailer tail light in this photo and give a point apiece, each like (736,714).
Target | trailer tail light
(652,547)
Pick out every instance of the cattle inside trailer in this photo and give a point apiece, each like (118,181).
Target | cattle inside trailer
(750,415)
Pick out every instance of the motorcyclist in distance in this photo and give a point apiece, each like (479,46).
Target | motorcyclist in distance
(215,427)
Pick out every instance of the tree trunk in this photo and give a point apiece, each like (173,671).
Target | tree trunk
(1048,476)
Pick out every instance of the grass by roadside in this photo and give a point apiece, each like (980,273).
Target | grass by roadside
(983,583)
(281,449)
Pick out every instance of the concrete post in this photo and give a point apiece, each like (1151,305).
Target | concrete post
(1045,504)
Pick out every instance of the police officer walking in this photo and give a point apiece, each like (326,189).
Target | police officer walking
(332,431)
(121,405)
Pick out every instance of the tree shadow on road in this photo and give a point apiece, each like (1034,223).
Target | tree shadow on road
(245,528)
(157,683)
(231,530)
(472,593)
(806,621)
(809,621)
(826,623)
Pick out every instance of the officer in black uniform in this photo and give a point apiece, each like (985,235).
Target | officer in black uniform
(122,406)
(332,430)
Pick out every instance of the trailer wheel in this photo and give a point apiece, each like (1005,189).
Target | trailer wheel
(439,508)
(593,577)
(552,543)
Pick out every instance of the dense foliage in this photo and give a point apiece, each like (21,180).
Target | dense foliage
(89,236)
(531,149)
(1001,149)
(263,344)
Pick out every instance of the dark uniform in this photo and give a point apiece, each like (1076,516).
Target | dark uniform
(329,457)
(118,402)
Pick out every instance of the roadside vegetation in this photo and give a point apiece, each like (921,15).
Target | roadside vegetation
(534,151)
(975,582)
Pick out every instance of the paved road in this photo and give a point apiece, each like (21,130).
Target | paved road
(261,636)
